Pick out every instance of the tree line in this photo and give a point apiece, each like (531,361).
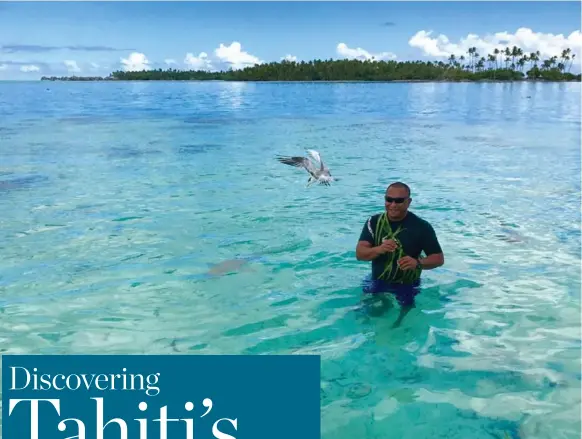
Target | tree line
(511,64)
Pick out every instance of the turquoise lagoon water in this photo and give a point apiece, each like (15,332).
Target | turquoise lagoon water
(119,199)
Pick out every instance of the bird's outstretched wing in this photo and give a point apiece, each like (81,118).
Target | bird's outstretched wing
(298,162)
(317,157)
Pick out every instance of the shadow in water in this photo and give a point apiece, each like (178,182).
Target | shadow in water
(123,152)
(200,148)
(21,182)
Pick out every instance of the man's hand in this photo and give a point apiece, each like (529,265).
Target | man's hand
(387,246)
(407,263)
(365,251)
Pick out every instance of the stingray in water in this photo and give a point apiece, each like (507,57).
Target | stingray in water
(231,265)
(241,263)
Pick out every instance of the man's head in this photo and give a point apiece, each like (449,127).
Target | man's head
(397,200)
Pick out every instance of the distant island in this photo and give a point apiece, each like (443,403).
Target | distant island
(502,65)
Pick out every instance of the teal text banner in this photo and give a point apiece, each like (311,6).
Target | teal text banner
(160,397)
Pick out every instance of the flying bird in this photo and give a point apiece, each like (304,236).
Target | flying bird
(318,171)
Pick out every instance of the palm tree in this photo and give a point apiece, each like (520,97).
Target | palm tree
(565,55)
(474,56)
(534,57)
(471,51)
(514,54)
(553,61)
(496,53)
(507,55)
(492,60)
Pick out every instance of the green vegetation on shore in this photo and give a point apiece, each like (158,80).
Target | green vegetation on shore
(502,65)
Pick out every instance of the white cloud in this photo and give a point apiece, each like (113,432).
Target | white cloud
(524,38)
(235,57)
(29,68)
(72,66)
(224,56)
(361,54)
(135,62)
(3,66)
(94,65)
(291,58)
(200,62)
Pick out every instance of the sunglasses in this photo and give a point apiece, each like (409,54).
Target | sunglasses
(395,200)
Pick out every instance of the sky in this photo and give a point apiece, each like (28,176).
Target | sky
(96,38)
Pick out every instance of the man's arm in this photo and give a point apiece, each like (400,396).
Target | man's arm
(366,252)
(432,261)
(432,248)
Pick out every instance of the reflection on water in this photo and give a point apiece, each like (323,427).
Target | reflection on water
(231,95)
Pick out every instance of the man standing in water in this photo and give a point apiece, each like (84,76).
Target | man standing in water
(393,241)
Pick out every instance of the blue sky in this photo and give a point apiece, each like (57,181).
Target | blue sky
(92,38)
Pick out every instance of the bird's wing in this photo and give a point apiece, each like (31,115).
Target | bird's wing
(298,162)
(313,153)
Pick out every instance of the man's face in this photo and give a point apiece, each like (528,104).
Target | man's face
(396,202)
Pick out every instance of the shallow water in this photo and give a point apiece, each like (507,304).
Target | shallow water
(123,205)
